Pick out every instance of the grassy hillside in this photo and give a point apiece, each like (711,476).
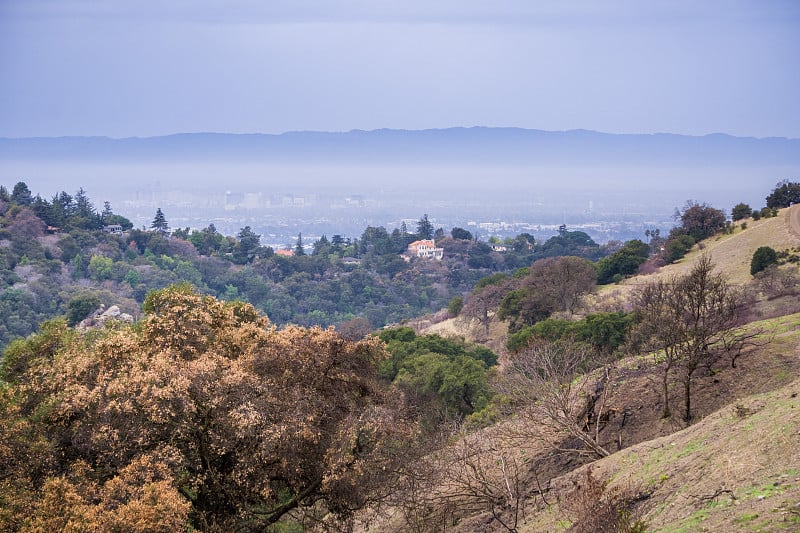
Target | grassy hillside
(732,253)
(737,469)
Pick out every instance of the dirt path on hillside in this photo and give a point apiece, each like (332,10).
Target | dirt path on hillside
(793,220)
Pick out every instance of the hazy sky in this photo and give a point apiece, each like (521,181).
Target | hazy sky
(151,67)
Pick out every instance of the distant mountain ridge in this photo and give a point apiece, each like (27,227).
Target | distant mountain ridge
(473,145)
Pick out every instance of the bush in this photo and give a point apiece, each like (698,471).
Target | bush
(762,258)
(80,306)
(677,247)
(455,306)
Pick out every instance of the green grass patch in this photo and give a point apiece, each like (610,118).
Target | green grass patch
(764,491)
(690,524)
(747,517)
(689,449)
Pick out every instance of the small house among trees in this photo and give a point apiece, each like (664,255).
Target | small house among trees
(426,249)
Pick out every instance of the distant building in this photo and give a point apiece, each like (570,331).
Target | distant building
(425,249)
(285,253)
(351,261)
(114,229)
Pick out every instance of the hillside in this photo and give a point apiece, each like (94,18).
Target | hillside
(735,468)
(732,253)
(684,426)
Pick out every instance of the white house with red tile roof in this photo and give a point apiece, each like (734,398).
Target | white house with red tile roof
(425,249)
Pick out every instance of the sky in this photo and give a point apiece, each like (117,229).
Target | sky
(123,68)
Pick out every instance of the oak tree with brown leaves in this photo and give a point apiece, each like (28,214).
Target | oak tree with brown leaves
(203,415)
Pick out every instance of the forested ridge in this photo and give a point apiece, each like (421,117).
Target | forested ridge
(57,257)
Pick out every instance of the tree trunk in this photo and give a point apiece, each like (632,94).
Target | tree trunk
(665,392)
(687,390)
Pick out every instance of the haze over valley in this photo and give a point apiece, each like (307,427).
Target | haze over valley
(496,181)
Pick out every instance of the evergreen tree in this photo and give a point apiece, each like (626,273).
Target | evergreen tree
(298,247)
(424,228)
(160,222)
(21,195)
(763,258)
(248,245)
(741,211)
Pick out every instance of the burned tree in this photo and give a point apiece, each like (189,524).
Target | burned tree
(693,321)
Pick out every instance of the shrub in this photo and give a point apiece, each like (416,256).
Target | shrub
(762,258)
(80,306)
(455,306)
(677,247)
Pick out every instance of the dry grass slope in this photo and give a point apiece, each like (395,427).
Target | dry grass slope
(732,253)
(736,470)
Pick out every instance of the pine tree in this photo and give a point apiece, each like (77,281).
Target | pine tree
(298,247)
(160,222)
(424,228)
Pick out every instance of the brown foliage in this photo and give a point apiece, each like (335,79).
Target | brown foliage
(23,224)
(483,303)
(203,413)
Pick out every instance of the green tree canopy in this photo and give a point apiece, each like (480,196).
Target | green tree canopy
(21,194)
(785,194)
(740,211)
(461,233)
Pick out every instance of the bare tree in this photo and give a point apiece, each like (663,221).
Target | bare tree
(555,395)
(564,279)
(483,303)
(694,320)
(484,475)
(465,473)
(597,508)
(653,331)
